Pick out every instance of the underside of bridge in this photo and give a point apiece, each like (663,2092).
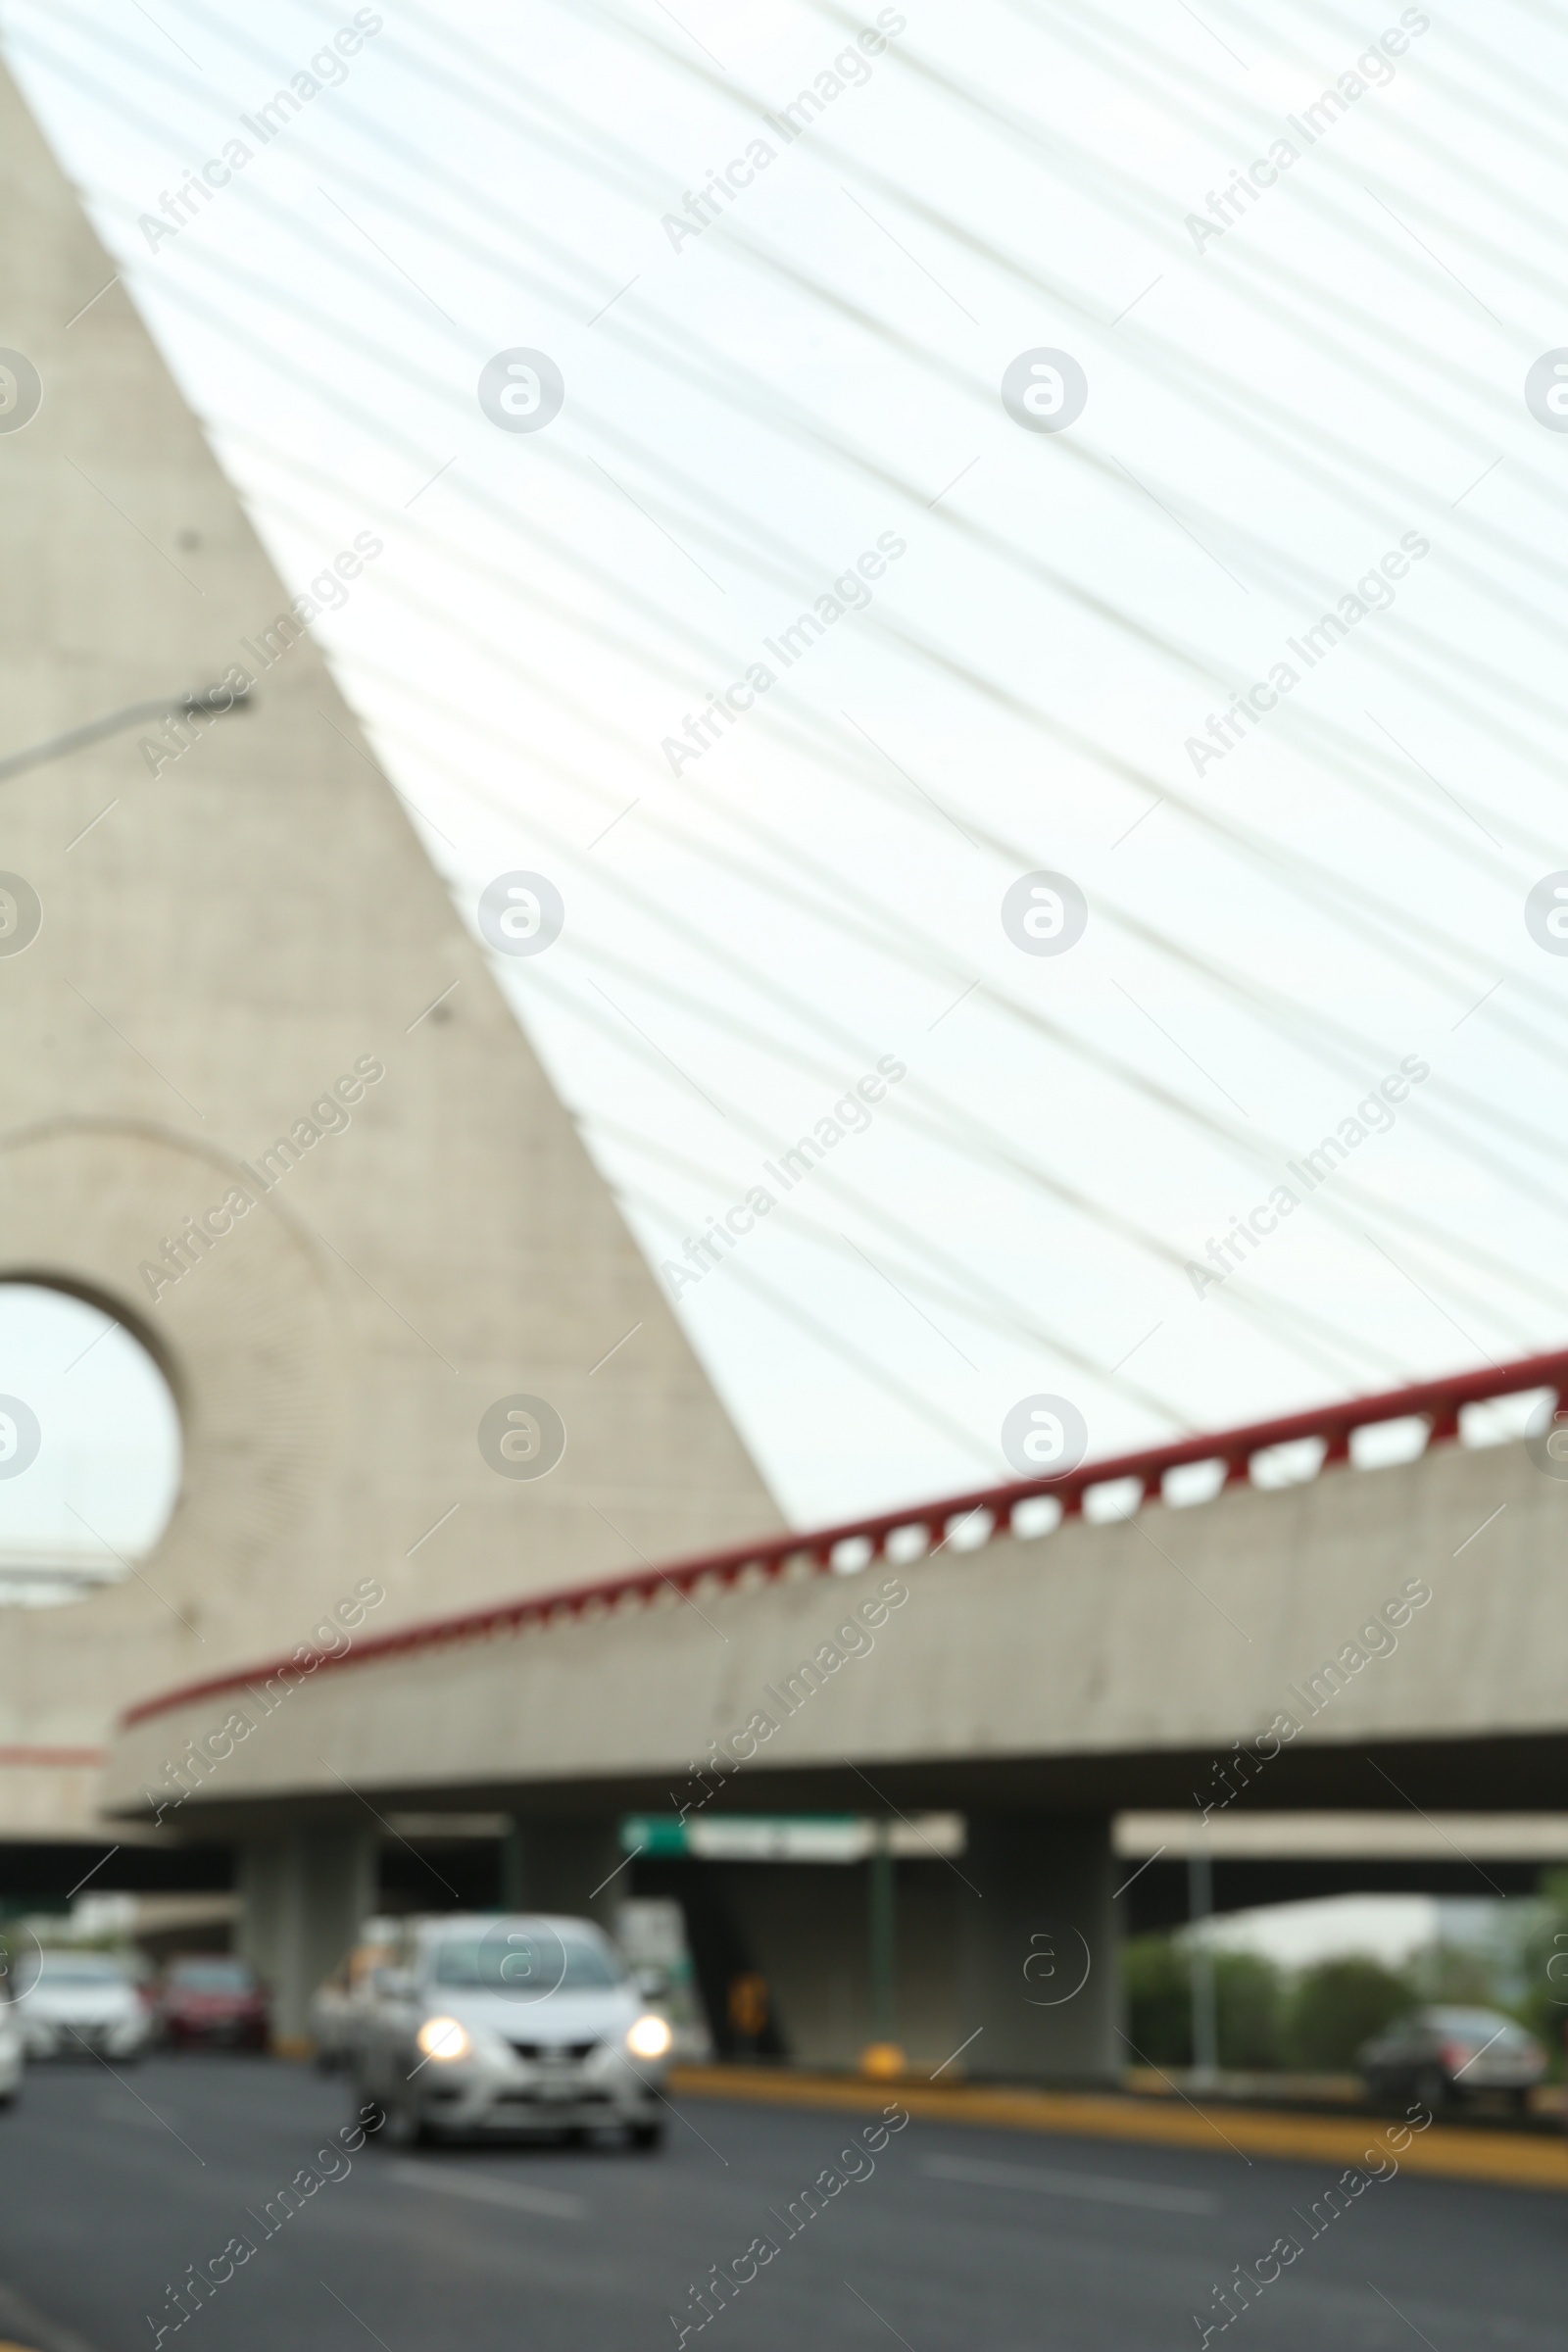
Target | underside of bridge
(1498,1774)
(1014,1935)
(1387,1640)
(809,1930)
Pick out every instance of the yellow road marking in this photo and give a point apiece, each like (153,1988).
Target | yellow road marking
(1513,2159)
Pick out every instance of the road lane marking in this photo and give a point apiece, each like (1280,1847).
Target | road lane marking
(555,2204)
(1098,2187)
(114,2113)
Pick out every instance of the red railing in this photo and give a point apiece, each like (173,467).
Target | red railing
(1436,1401)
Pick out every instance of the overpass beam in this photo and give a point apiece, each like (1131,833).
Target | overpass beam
(304,1895)
(1039,1948)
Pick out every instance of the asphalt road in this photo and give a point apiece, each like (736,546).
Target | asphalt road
(111,2187)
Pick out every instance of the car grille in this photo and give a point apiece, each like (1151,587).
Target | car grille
(531,2098)
(87,2040)
(555,2049)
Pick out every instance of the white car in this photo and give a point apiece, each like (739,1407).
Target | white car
(71,2004)
(11,2051)
(487,2025)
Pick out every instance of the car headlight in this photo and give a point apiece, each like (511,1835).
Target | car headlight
(649,2037)
(443,2038)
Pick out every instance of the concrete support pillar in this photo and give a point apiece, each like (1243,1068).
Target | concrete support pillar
(1039,1948)
(303,1896)
(567,1866)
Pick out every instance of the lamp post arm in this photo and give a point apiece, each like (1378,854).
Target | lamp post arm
(57,747)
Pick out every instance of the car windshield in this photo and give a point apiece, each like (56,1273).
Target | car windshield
(212,1976)
(1476,2025)
(81,1968)
(532,1961)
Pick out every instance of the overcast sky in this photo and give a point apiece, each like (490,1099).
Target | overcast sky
(1323,389)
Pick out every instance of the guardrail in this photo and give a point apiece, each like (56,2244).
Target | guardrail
(971,1518)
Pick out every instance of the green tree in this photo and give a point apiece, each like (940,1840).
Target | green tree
(1544,2006)
(1249,2005)
(1337,2005)
(1454,1978)
(1158,1983)
(1157,1978)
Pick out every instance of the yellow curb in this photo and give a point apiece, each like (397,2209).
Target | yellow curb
(1515,2159)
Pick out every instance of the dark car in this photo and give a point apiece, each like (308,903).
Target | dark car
(210,1998)
(1442,2056)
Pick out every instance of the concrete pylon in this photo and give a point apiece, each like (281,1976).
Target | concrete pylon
(1040,1949)
(233,941)
(565,1864)
(304,1896)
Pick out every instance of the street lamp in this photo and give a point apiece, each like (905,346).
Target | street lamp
(208,704)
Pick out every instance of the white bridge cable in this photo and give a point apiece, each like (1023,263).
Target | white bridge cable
(1399,1217)
(793,564)
(1415,811)
(964,1132)
(1348,748)
(896,937)
(695,520)
(833,1343)
(1315,1342)
(1244,988)
(1546,15)
(1529,614)
(486,205)
(1414,806)
(968,1306)
(1166,361)
(1465,96)
(1100,37)
(1344,745)
(965,1293)
(1337,745)
(1307,879)
(1169,1099)
(1529,1282)
(1215,383)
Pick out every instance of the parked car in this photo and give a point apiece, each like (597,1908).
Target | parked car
(13,2051)
(71,2004)
(1442,2056)
(488,2025)
(341,2003)
(211,1999)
